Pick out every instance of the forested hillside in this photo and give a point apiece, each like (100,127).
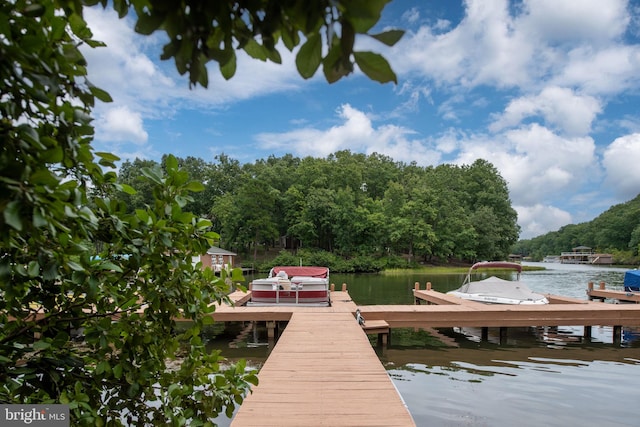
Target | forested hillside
(616,231)
(351,205)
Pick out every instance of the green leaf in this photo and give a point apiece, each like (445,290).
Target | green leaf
(38,218)
(12,215)
(75,266)
(129,303)
(195,186)
(153,174)
(274,56)
(142,215)
(147,24)
(389,37)
(33,10)
(33,269)
(102,95)
(309,56)
(171,163)
(122,7)
(125,188)
(236,275)
(331,65)
(228,69)
(52,155)
(41,345)
(107,265)
(375,67)
(364,14)
(107,156)
(117,371)
(255,50)
(78,25)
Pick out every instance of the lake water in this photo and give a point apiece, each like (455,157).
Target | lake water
(540,377)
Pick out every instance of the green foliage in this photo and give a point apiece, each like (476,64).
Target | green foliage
(616,231)
(336,263)
(260,29)
(356,205)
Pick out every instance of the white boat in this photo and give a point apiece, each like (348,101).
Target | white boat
(292,285)
(494,290)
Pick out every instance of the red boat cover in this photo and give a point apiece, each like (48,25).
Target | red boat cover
(322,272)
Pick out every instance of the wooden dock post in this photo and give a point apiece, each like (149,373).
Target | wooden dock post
(617,334)
(484,334)
(381,328)
(503,335)
(344,287)
(271,331)
(333,287)
(590,290)
(416,300)
(587,332)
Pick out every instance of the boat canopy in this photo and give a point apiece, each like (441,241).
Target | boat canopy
(632,281)
(321,272)
(494,286)
(496,264)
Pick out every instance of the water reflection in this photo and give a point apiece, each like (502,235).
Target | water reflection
(526,387)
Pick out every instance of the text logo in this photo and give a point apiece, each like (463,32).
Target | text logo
(34,415)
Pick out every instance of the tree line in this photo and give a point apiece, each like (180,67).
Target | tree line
(349,204)
(616,231)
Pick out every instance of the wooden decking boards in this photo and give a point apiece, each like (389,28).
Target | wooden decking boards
(323,372)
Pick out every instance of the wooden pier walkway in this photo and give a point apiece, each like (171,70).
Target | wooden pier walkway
(323,372)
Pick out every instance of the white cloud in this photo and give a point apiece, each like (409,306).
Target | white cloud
(568,43)
(355,132)
(560,107)
(412,15)
(592,21)
(603,71)
(545,165)
(482,49)
(538,219)
(621,161)
(121,124)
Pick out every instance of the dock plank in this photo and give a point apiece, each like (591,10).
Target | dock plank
(323,372)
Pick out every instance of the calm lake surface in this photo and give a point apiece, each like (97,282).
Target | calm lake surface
(540,377)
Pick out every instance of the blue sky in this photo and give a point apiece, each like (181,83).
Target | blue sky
(548,91)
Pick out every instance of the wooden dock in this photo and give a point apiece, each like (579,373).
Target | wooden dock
(603,294)
(443,311)
(323,372)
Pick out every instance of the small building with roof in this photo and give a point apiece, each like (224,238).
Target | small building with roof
(216,258)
